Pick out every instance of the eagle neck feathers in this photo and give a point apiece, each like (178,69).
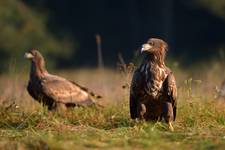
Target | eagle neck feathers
(157,59)
(38,69)
(154,73)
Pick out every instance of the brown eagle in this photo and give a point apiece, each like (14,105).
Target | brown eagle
(54,91)
(153,92)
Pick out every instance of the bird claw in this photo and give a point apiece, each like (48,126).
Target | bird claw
(171,127)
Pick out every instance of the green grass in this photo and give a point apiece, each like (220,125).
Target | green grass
(200,120)
(199,126)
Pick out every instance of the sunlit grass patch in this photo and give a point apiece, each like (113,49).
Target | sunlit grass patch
(25,124)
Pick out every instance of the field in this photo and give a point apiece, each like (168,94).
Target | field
(200,123)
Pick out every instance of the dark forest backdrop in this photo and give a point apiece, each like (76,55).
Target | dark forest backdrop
(65,30)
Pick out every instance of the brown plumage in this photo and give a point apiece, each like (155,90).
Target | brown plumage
(54,91)
(153,92)
(221,91)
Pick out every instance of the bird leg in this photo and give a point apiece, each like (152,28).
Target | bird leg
(170,126)
(142,111)
(60,107)
(168,114)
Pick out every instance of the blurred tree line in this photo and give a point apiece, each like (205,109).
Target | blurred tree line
(22,29)
(65,30)
(216,7)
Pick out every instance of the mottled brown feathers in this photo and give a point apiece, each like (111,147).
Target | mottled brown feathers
(221,91)
(52,90)
(153,91)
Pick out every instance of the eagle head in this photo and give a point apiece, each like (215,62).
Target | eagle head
(33,54)
(37,62)
(156,48)
(154,45)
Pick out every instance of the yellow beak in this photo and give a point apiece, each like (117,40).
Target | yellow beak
(145,47)
(28,56)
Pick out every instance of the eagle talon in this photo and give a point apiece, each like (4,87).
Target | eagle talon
(171,127)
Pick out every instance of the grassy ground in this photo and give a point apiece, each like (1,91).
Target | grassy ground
(200,123)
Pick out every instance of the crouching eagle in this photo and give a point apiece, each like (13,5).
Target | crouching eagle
(54,91)
(153,92)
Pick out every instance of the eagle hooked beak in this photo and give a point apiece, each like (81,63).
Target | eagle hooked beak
(145,47)
(28,55)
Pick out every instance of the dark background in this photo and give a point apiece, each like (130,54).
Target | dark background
(194,30)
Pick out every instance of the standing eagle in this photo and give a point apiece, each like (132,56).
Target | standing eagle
(54,91)
(153,92)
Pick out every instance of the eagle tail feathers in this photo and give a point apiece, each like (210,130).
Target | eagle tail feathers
(92,94)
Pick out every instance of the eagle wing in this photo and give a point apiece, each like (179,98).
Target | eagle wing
(135,90)
(170,92)
(64,91)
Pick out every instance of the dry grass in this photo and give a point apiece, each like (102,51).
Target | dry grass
(24,124)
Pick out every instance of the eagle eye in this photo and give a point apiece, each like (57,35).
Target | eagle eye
(151,43)
(34,53)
